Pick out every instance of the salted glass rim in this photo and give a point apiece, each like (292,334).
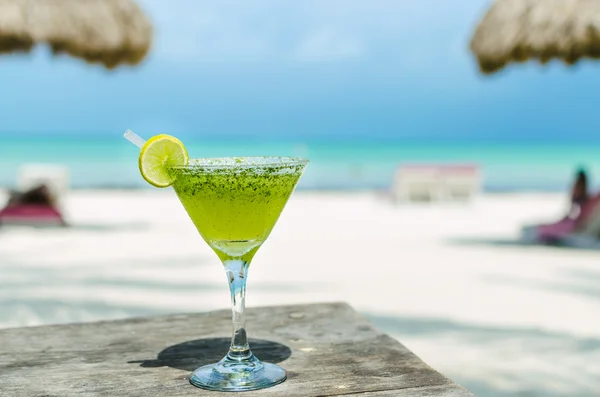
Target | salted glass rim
(242,162)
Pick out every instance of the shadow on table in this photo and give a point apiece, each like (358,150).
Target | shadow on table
(196,353)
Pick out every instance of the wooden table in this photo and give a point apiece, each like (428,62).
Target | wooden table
(327,349)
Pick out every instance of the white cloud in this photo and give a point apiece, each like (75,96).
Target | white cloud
(328,45)
(311,30)
(198,30)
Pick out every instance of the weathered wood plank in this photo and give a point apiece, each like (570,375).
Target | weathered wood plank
(327,349)
(429,391)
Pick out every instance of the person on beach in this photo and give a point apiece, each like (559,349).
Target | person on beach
(36,206)
(579,193)
(581,207)
(39,195)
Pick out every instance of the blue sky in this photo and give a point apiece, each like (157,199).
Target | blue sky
(317,68)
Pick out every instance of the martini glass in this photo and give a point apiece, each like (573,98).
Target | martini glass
(234,203)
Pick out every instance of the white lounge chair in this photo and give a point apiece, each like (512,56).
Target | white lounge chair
(436,182)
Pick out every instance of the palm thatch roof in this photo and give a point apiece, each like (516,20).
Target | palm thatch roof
(518,30)
(109,32)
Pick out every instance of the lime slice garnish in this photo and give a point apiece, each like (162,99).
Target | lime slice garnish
(157,154)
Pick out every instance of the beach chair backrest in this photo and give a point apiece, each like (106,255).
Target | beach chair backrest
(416,183)
(461,182)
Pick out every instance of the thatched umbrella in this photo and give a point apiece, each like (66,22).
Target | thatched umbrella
(109,32)
(517,30)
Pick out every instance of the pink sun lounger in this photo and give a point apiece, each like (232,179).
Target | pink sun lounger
(31,215)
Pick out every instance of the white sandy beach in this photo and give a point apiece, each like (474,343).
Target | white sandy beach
(447,280)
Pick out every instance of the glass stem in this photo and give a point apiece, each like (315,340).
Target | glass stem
(237,270)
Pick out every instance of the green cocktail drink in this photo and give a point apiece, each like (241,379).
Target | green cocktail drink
(234,203)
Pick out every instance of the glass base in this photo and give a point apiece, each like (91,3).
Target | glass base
(238,375)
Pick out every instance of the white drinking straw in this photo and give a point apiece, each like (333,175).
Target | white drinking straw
(134,138)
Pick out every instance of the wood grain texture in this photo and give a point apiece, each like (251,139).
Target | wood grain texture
(327,349)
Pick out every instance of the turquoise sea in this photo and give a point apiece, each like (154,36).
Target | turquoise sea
(111,162)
